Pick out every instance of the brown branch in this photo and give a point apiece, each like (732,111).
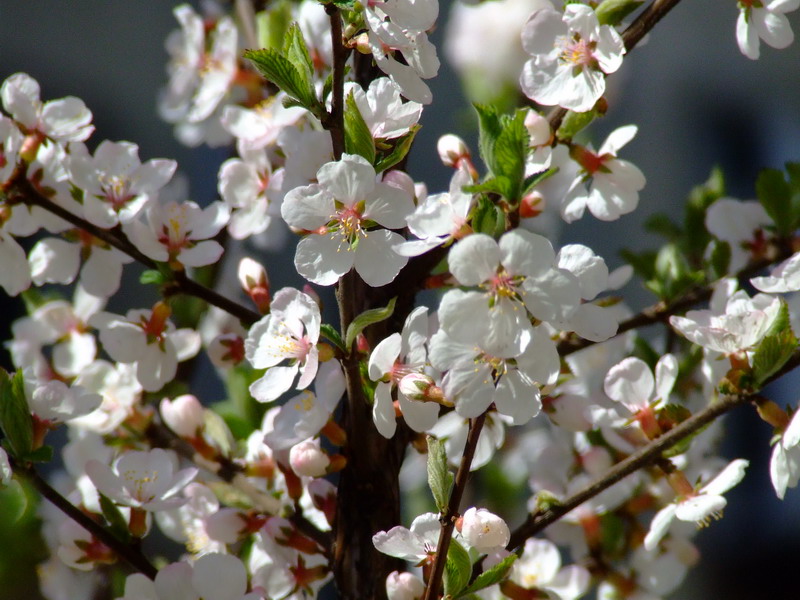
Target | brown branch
(643,457)
(127,552)
(661,312)
(632,35)
(448,519)
(334,121)
(19,190)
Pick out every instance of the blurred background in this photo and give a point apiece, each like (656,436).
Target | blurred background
(698,103)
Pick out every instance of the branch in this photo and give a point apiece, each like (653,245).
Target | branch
(19,190)
(126,551)
(661,312)
(448,519)
(643,457)
(334,122)
(632,35)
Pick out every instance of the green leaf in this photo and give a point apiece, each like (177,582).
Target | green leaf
(775,196)
(217,430)
(720,259)
(486,217)
(295,49)
(330,333)
(14,501)
(499,184)
(673,275)
(115,519)
(365,319)
(771,354)
(490,577)
(41,454)
(271,25)
(440,479)
(661,224)
(152,276)
(700,198)
(15,416)
(510,151)
(279,70)
(643,263)
(782,320)
(574,122)
(399,151)
(490,129)
(531,181)
(457,569)
(357,136)
(612,12)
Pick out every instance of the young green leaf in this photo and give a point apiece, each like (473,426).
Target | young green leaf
(14,501)
(398,152)
(279,70)
(440,479)
(271,25)
(365,319)
(457,569)
(775,196)
(490,129)
(357,136)
(330,333)
(511,148)
(15,416)
(612,12)
(295,49)
(152,276)
(771,354)
(115,518)
(491,576)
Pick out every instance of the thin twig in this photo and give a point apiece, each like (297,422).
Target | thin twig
(19,189)
(335,121)
(448,519)
(124,550)
(643,457)
(632,35)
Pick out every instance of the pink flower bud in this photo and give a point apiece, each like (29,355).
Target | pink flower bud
(404,586)
(452,150)
(226,350)
(401,181)
(484,531)
(253,279)
(538,128)
(416,386)
(184,415)
(308,459)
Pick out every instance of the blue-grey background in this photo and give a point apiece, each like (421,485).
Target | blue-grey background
(698,102)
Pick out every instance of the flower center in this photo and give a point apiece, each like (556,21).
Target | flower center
(116,190)
(577,51)
(348,224)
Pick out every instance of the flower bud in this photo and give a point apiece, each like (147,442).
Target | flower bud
(404,586)
(538,128)
(416,386)
(226,350)
(308,459)
(184,415)
(452,150)
(253,279)
(483,530)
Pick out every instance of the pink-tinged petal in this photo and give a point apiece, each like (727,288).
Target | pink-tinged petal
(203,253)
(323,259)
(400,543)
(699,508)
(102,272)
(609,50)
(53,260)
(179,481)
(445,352)
(210,221)
(666,375)
(308,369)
(406,79)
(275,382)
(175,582)
(139,587)
(630,382)
(541,559)
(779,470)
(774,28)
(15,275)
(420,416)
(542,29)
(384,356)
(727,478)
(617,139)
(540,360)
(747,36)
(383,414)
(145,240)
(75,354)
(465,315)
(517,398)
(552,296)
(124,341)
(153,175)
(67,119)
(659,526)
(155,368)
(526,253)
(474,259)
(220,577)
(471,389)
(791,437)
(106,481)
(570,582)
(350,180)
(388,206)
(186,342)
(308,207)
(782,6)
(375,261)
(593,322)
(239,184)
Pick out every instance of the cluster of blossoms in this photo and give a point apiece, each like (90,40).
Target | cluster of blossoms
(522,357)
